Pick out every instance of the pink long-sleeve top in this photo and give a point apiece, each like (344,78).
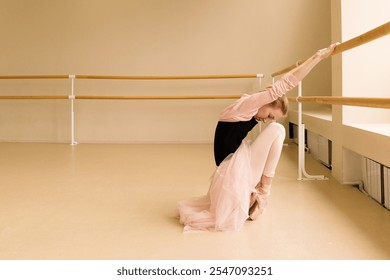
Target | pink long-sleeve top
(248,105)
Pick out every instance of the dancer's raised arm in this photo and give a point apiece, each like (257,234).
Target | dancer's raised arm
(247,106)
(303,69)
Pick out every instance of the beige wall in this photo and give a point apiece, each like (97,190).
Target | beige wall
(366,69)
(152,37)
(360,72)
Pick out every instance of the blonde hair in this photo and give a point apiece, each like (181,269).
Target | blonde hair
(281,102)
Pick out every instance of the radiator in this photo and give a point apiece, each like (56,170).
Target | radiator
(320,148)
(386,187)
(376,178)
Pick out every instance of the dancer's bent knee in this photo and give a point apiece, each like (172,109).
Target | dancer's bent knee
(278,129)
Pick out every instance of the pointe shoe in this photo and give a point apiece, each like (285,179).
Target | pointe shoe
(259,200)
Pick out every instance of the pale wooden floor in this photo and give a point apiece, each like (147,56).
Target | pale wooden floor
(119,202)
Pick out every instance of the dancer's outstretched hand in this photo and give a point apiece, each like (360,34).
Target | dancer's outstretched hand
(324,53)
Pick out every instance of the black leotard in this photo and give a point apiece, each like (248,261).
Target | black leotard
(228,137)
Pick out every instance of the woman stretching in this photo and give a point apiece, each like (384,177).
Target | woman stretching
(241,184)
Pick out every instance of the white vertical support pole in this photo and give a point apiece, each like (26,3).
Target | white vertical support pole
(301,134)
(72,98)
(301,144)
(308,176)
(259,77)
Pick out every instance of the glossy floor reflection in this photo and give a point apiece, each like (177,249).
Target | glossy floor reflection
(119,202)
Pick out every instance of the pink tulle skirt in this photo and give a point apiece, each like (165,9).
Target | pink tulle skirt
(225,206)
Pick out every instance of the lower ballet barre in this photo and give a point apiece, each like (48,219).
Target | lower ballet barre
(347,101)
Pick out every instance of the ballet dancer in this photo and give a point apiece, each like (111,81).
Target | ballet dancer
(241,184)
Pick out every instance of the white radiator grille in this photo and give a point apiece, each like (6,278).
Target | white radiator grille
(376,178)
(386,181)
(320,148)
(372,182)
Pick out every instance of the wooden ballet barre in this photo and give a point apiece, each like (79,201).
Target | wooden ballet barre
(34,77)
(350,101)
(196,77)
(92,97)
(369,36)
(33,97)
(193,77)
(172,97)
